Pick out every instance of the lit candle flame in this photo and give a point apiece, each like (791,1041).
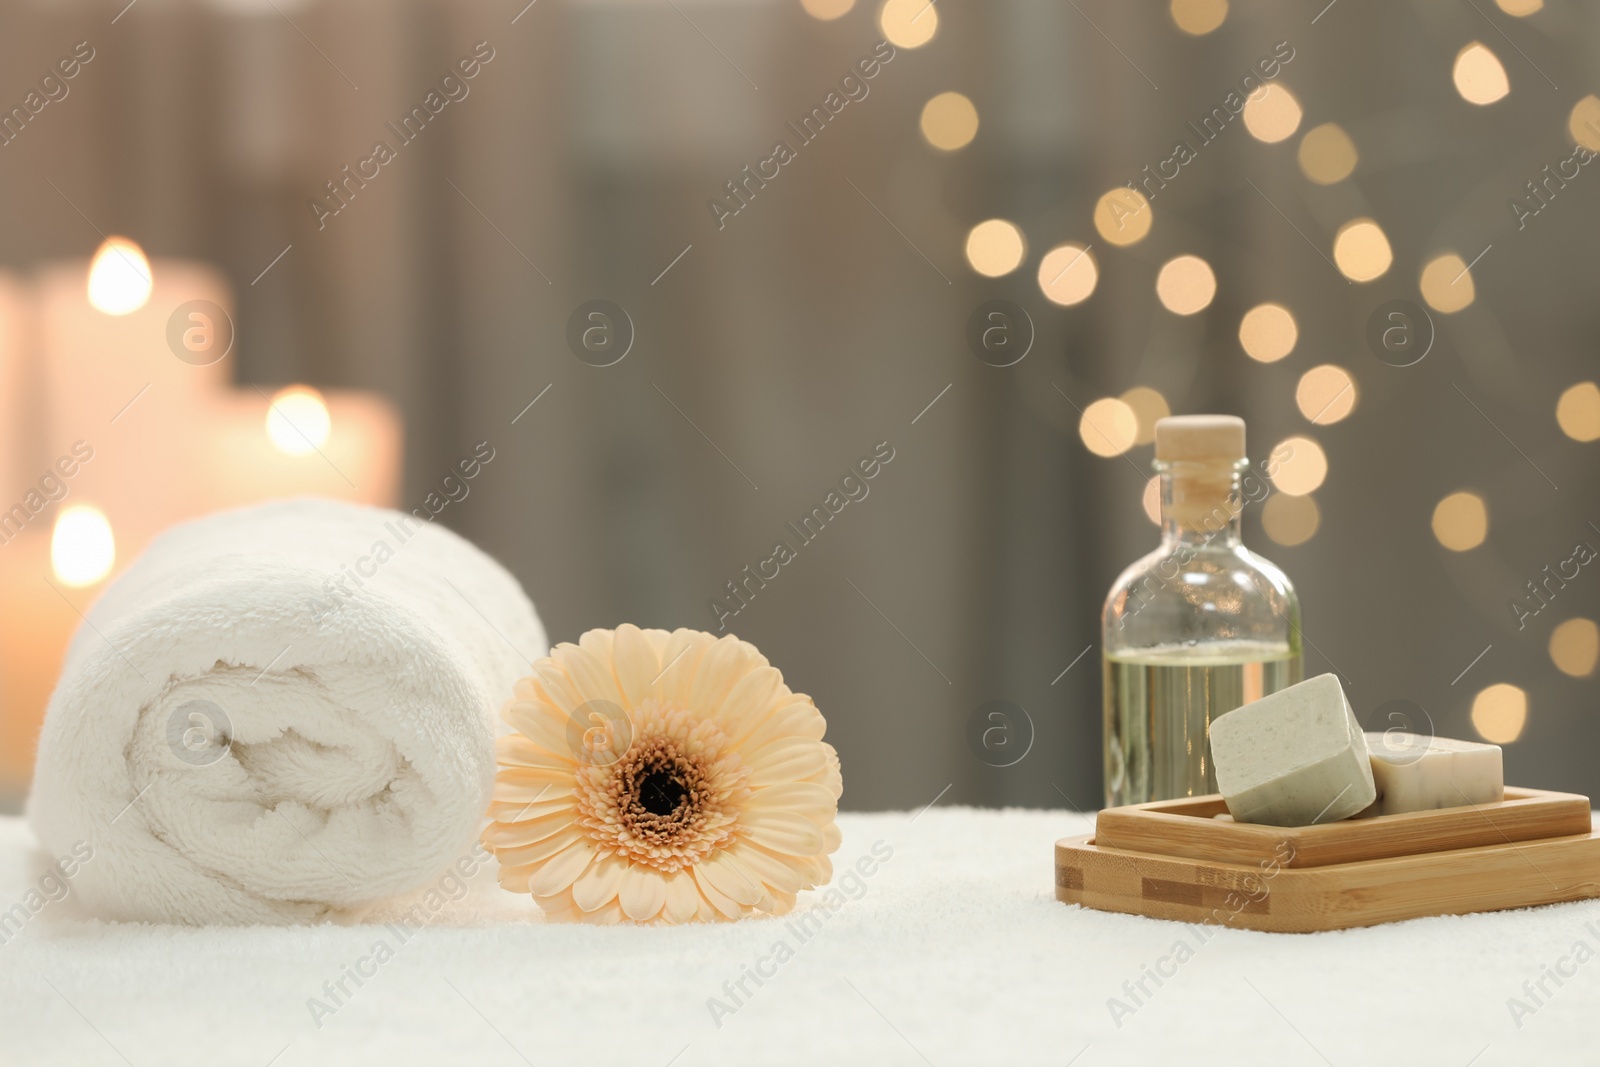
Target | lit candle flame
(82,548)
(119,277)
(298,421)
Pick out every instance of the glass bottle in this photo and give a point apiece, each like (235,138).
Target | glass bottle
(1197,627)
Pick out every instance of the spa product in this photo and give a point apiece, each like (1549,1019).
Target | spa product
(1197,627)
(281,714)
(1294,758)
(1417,773)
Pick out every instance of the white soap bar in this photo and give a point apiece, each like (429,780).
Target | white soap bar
(1417,773)
(1294,758)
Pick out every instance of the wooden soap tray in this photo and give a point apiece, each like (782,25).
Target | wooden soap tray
(1177,859)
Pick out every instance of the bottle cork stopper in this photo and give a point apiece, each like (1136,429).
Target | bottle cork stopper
(1200,438)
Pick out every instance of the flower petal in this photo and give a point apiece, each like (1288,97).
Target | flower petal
(562,869)
(643,892)
(680,661)
(523,784)
(515,879)
(723,665)
(592,677)
(786,761)
(775,870)
(719,901)
(831,838)
(518,750)
(683,899)
(539,723)
(598,885)
(636,664)
(797,718)
(541,850)
(751,699)
(500,835)
(805,798)
(729,877)
(783,831)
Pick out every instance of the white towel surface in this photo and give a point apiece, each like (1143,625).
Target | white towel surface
(953,953)
(242,739)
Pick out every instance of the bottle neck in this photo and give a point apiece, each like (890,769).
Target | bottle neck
(1201,504)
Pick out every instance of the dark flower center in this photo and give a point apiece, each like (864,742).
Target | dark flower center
(660,792)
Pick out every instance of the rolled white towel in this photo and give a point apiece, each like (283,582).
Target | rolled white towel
(281,714)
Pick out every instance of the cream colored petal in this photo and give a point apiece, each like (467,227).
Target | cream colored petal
(636,664)
(514,835)
(517,750)
(598,643)
(543,849)
(562,869)
(775,903)
(775,870)
(515,879)
(729,877)
(786,761)
(523,784)
(513,810)
(720,903)
(680,662)
(525,689)
(657,640)
(806,798)
(751,699)
(794,718)
(609,915)
(724,664)
(783,831)
(831,838)
(541,723)
(592,677)
(598,885)
(556,688)
(643,892)
(683,899)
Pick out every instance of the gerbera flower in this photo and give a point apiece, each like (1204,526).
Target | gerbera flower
(668,777)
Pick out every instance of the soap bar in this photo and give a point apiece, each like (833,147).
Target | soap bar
(1417,773)
(1293,758)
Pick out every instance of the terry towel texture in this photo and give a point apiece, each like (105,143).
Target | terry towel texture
(243,738)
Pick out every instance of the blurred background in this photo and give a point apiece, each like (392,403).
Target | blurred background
(1000,240)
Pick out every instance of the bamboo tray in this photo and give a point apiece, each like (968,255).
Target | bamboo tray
(1178,860)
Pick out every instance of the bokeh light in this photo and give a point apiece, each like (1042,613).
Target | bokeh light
(1362,250)
(1123,216)
(1461,521)
(1499,713)
(949,121)
(1327,154)
(1108,427)
(1520,8)
(1584,123)
(827,10)
(1272,113)
(1447,283)
(1575,647)
(995,247)
(1067,274)
(1578,411)
(1268,332)
(1479,76)
(1299,466)
(298,421)
(1152,499)
(1149,406)
(82,548)
(1290,520)
(908,23)
(1186,285)
(119,277)
(1199,17)
(1326,394)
